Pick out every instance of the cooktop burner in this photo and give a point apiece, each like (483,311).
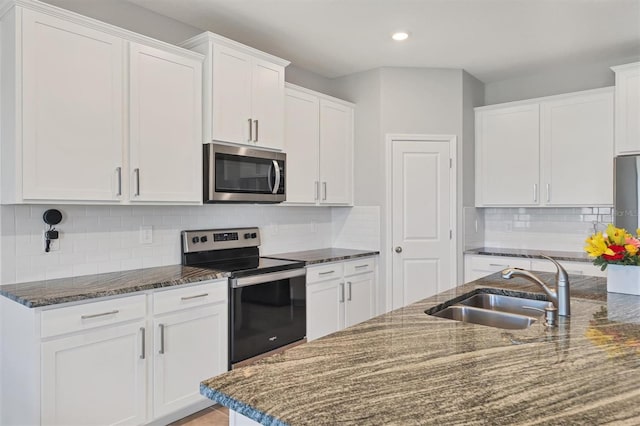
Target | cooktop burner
(230,250)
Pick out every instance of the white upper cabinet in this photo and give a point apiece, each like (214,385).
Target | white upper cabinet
(166,126)
(554,151)
(244,92)
(81,124)
(72,111)
(627,120)
(507,156)
(577,150)
(319,146)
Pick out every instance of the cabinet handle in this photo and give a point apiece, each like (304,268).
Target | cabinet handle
(161,351)
(250,130)
(136,173)
(349,290)
(317,190)
(256,135)
(498,264)
(362,266)
(103,314)
(341,292)
(535,192)
(194,297)
(548,192)
(144,349)
(324,186)
(326,273)
(119,173)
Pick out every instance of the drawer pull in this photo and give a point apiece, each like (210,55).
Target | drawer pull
(362,266)
(100,315)
(326,273)
(497,264)
(194,297)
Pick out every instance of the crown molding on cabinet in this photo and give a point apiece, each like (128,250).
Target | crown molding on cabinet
(608,89)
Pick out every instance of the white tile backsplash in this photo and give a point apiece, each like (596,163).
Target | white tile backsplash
(356,227)
(542,228)
(96,239)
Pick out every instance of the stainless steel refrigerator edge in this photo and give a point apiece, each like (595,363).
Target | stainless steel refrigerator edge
(627,192)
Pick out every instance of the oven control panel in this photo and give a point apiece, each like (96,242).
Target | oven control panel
(219,239)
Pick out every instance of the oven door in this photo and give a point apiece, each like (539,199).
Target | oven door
(267,312)
(238,174)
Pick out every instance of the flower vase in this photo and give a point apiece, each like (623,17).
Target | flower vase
(623,279)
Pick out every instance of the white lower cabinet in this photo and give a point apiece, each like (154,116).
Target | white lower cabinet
(96,377)
(125,361)
(339,295)
(477,266)
(189,346)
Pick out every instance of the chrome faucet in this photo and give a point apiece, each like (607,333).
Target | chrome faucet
(559,297)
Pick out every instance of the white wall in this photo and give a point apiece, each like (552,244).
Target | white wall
(554,81)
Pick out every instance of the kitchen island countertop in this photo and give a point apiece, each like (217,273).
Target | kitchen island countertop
(406,367)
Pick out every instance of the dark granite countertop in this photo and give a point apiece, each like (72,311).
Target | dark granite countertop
(52,292)
(326,255)
(409,368)
(574,256)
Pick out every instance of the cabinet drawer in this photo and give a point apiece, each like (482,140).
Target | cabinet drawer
(326,272)
(573,268)
(186,297)
(92,315)
(498,263)
(360,266)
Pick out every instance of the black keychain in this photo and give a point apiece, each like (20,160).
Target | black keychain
(51,217)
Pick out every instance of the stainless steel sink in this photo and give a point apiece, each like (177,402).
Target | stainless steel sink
(509,304)
(493,310)
(486,317)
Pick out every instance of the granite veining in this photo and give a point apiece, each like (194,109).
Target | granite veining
(51,292)
(326,255)
(409,368)
(531,254)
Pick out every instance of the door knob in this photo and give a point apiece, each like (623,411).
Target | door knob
(398,249)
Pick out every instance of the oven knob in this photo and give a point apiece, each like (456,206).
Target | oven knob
(254,235)
(203,239)
(195,240)
(247,236)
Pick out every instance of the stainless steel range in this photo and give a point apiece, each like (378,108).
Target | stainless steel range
(267,296)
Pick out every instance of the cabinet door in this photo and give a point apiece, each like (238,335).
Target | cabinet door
(231,96)
(478,266)
(72,112)
(95,378)
(325,308)
(627,109)
(507,156)
(359,305)
(190,346)
(166,126)
(302,115)
(336,153)
(577,150)
(267,104)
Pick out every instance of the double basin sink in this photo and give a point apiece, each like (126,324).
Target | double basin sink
(513,312)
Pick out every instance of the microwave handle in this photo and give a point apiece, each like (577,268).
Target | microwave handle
(276,185)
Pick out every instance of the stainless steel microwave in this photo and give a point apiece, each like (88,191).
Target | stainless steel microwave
(243,175)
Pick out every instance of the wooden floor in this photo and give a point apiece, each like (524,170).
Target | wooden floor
(212,416)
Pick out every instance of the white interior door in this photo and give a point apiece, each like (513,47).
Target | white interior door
(421,220)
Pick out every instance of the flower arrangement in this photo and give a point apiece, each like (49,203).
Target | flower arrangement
(616,246)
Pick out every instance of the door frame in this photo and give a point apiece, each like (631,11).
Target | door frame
(388,210)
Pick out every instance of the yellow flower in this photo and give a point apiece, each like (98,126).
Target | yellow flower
(616,235)
(597,246)
(631,249)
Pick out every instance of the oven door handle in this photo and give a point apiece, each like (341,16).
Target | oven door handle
(265,278)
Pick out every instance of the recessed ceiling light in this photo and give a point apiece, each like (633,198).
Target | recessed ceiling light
(400,35)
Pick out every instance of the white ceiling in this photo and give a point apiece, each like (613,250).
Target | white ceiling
(491,39)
